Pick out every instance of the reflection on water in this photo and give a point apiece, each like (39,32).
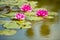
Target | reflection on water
(51,21)
(45,27)
(45,30)
(29,32)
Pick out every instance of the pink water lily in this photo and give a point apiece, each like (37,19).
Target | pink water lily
(42,13)
(20,16)
(26,8)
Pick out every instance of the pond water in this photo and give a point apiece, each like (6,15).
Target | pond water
(39,31)
(48,30)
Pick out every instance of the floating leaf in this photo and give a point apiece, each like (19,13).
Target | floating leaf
(3,21)
(14,8)
(17,25)
(1,16)
(20,2)
(53,13)
(19,22)
(35,9)
(11,25)
(29,13)
(33,3)
(7,32)
(24,24)
(34,18)
(10,15)
(9,2)
(49,17)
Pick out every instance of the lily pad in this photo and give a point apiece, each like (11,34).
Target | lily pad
(34,18)
(11,25)
(24,24)
(3,22)
(33,4)
(2,16)
(50,17)
(30,13)
(53,13)
(15,8)
(9,15)
(20,2)
(11,2)
(7,32)
(17,25)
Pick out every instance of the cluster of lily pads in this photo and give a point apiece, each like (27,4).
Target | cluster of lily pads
(23,16)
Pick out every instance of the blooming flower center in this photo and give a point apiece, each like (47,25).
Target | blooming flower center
(20,16)
(26,7)
(42,13)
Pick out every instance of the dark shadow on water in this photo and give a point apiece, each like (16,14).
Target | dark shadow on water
(44,30)
(29,32)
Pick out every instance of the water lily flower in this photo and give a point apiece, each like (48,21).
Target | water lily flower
(20,16)
(26,8)
(42,12)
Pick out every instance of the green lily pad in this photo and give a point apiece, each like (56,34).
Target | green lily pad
(24,24)
(11,25)
(53,13)
(33,3)
(17,25)
(7,32)
(10,15)
(30,13)
(34,18)
(49,17)
(35,9)
(2,16)
(3,22)
(20,2)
